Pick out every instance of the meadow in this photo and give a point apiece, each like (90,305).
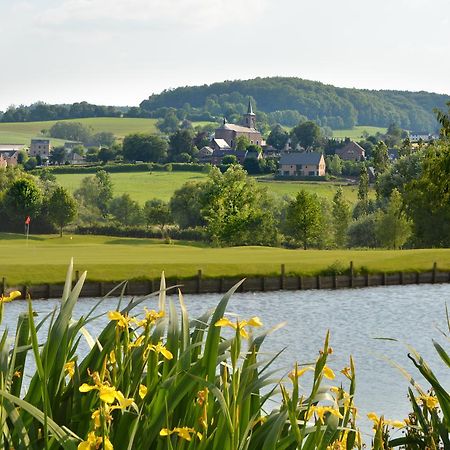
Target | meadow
(23,132)
(143,186)
(109,258)
(357,132)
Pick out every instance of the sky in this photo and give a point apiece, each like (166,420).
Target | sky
(118,52)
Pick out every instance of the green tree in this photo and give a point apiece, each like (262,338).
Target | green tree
(278,137)
(23,198)
(236,210)
(62,208)
(380,158)
(229,159)
(180,142)
(170,122)
(335,165)
(144,147)
(73,131)
(393,227)
(444,119)
(106,154)
(303,218)
(242,142)
(157,212)
(105,191)
(125,210)
(58,155)
(341,218)
(363,189)
(362,232)
(186,205)
(104,138)
(307,134)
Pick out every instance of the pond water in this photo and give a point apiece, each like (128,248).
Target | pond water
(355,317)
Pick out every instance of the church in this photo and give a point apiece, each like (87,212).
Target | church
(230,132)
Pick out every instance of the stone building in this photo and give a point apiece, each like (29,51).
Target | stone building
(230,132)
(40,147)
(9,154)
(351,151)
(305,164)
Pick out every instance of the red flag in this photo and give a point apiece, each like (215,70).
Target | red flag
(28,220)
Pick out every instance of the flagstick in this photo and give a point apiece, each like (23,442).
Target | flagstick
(28,231)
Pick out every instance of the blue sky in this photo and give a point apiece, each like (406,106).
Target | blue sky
(119,52)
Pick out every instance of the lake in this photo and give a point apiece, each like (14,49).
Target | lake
(355,317)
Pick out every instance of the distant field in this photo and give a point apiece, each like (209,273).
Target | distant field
(143,186)
(23,132)
(357,132)
(115,259)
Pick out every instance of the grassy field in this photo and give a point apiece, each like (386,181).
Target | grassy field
(110,258)
(357,132)
(21,133)
(143,186)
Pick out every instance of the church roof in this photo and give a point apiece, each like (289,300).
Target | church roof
(221,143)
(239,128)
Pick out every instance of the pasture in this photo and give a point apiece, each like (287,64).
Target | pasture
(143,186)
(109,258)
(357,132)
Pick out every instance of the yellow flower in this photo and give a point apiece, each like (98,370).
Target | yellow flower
(429,401)
(123,401)
(17,374)
(346,371)
(9,298)
(122,321)
(142,391)
(69,367)
(239,325)
(202,396)
(112,357)
(91,442)
(374,418)
(158,348)
(297,373)
(322,410)
(183,432)
(328,373)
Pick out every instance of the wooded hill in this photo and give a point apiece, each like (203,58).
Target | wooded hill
(284,100)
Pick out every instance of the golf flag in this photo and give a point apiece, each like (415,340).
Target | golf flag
(28,220)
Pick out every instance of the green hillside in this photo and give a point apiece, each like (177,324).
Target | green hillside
(23,132)
(143,186)
(285,100)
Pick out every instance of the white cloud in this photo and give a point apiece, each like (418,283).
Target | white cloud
(157,13)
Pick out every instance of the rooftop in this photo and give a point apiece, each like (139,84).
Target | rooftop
(300,158)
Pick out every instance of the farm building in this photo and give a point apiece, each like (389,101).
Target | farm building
(351,151)
(305,164)
(9,154)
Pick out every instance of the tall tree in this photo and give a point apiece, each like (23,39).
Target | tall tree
(186,205)
(307,134)
(157,212)
(278,137)
(393,227)
(62,208)
(363,190)
(303,218)
(144,147)
(180,142)
(237,211)
(380,158)
(125,210)
(105,191)
(341,218)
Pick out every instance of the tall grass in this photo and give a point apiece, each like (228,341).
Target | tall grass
(160,380)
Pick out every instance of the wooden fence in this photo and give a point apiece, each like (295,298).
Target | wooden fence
(201,284)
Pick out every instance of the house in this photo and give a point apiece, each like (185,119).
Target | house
(40,147)
(9,154)
(219,144)
(205,154)
(351,151)
(425,136)
(306,164)
(230,132)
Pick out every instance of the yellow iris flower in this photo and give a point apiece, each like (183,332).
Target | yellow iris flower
(183,432)
(158,348)
(122,321)
(297,373)
(142,391)
(239,325)
(69,367)
(94,442)
(320,411)
(10,297)
(429,401)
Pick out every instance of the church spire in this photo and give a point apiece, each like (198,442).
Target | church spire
(250,108)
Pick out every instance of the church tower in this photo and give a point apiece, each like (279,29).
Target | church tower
(250,117)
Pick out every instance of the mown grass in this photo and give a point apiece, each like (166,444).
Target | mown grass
(357,132)
(114,259)
(143,186)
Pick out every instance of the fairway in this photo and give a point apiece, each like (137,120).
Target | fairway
(106,258)
(357,132)
(143,186)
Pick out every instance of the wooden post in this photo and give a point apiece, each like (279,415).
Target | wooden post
(434,272)
(417,277)
(263,283)
(3,285)
(283,273)
(26,292)
(300,283)
(384,278)
(351,273)
(220,285)
(319,284)
(48,290)
(199,281)
(367,279)
(335,281)
(400,278)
